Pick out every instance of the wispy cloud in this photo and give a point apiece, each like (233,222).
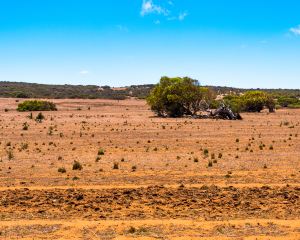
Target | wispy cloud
(84,72)
(295,30)
(164,9)
(182,16)
(149,7)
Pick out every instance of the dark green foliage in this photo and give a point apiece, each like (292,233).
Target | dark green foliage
(205,151)
(77,165)
(62,170)
(33,90)
(286,101)
(39,118)
(101,152)
(175,97)
(36,105)
(214,104)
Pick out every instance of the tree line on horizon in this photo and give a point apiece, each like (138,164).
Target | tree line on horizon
(232,96)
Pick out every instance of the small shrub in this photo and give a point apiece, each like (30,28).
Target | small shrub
(133,168)
(131,230)
(77,165)
(116,166)
(39,118)
(101,151)
(25,126)
(62,170)
(10,155)
(24,146)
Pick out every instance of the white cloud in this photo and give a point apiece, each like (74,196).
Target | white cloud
(149,7)
(295,30)
(84,72)
(182,16)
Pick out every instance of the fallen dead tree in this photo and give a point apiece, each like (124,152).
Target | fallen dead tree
(225,112)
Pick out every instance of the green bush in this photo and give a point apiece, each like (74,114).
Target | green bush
(176,97)
(255,101)
(251,101)
(296,105)
(284,101)
(36,105)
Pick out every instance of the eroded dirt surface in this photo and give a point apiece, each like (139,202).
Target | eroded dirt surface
(157,179)
(207,203)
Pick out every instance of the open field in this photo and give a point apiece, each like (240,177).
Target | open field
(157,178)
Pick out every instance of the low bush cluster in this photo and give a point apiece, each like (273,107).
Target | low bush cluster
(36,105)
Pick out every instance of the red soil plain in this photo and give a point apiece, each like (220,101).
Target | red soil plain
(145,177)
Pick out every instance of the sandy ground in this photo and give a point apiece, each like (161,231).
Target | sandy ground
(159,178)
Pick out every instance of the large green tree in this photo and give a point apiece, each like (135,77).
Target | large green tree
(175,97)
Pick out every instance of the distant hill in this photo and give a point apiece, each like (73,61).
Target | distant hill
(34,90)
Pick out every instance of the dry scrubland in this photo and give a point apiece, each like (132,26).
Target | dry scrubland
(158,178)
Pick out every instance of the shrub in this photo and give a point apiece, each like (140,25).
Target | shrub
(255,101)
(77,165)
(251,101)
(40,117)
(176,97)
(116,166)
(133,168)
(25,126)
(36,105)
(10,155)
(284,101)
(101,151)
(62,170)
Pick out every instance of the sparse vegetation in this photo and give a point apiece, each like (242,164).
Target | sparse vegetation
(36,105)
(77,165)
(62,170)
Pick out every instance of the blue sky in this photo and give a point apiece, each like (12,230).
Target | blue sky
(240,43)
